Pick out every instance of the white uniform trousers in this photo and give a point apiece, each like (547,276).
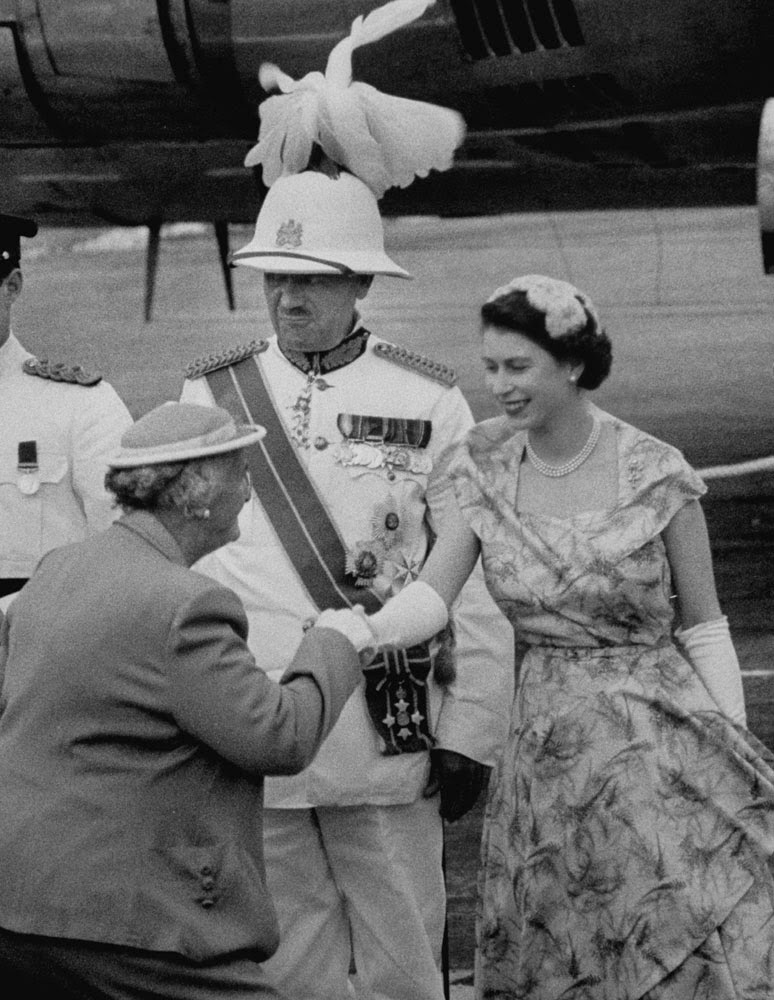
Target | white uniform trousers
(363,882)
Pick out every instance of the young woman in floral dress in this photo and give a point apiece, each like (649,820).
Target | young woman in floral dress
(630,824)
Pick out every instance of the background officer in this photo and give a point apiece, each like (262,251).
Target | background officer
(58,425)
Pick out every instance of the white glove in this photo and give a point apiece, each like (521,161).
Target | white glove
(714,659)
(416,613)
(352,624)
(413,615)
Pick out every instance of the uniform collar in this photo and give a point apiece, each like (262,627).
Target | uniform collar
(321,362)
(12,355)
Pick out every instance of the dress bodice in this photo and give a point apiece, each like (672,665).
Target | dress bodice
(599,578)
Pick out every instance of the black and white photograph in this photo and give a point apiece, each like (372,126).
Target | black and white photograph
(387,499)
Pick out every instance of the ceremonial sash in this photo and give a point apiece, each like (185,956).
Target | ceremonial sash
(396,681)
(297,513)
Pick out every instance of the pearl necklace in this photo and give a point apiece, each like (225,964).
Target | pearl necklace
(574,463)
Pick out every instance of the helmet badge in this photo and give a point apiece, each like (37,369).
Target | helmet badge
(289,234)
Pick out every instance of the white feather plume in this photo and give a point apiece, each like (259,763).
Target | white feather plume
(385,141)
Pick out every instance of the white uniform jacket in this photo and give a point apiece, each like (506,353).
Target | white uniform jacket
(369,498)
(75,429)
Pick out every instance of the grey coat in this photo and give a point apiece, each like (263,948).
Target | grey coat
(135,730)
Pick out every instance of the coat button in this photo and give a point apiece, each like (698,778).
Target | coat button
(321,443)
(208,882)
(205,870)
(207,903)
(321,384)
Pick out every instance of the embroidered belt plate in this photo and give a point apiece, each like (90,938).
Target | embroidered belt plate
(396,696)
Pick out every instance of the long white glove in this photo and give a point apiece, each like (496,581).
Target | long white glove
(413,615)
(416,613)
(712,654)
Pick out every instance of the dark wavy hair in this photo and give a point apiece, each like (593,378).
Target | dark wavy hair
(589,346)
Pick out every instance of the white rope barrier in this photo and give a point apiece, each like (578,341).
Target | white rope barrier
(738,469)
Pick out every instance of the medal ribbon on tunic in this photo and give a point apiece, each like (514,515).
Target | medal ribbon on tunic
(396,689)
(407,432)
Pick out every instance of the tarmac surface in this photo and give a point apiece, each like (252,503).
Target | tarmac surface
(682,294)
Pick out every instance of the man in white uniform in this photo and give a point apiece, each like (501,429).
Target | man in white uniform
(58,426)
(343,513)
(353,844)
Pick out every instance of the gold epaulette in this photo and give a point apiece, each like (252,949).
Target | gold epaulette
(210,363)
(58,371)
(416,362)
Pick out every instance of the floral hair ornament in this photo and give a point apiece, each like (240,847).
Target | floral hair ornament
(383,140)
(566,309)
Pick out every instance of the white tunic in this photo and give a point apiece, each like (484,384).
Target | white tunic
(75,429)
(360,488)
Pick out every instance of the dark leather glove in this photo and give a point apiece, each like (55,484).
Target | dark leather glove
(459,779)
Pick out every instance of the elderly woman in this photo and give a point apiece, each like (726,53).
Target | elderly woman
(135,731)
(630,823)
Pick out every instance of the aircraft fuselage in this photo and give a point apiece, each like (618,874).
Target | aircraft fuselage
(131,110)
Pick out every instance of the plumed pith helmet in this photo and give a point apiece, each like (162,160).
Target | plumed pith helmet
(327,221)
(311,223)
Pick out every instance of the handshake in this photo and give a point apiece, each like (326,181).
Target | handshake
(415,614)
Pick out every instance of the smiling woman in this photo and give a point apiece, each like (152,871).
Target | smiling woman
(542,344)
(620,857)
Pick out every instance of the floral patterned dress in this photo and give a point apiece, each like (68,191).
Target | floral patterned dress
(630,827)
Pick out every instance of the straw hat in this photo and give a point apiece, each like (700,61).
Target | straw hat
(178,432)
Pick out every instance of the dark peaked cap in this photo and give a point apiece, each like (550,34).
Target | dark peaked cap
(12,228)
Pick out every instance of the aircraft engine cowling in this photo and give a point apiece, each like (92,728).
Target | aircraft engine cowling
(140,110)
(172,70)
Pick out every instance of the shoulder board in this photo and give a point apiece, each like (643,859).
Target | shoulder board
(57,371)
(210,363)
(416,362)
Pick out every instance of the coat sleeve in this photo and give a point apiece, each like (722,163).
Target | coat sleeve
(476,706)
(219,695)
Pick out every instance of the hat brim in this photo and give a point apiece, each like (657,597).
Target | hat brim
(290,263)
(130,458)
